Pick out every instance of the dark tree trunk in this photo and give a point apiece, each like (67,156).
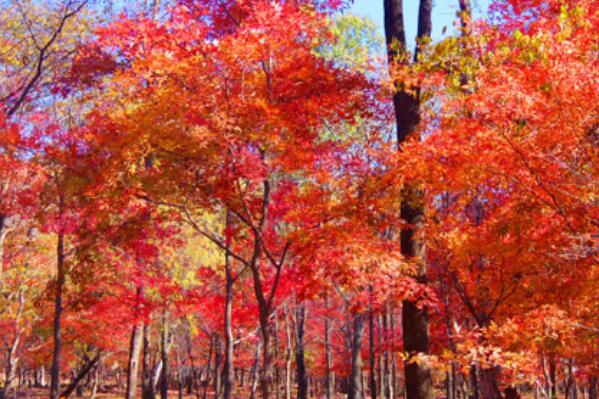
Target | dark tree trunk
(266,372)
(180,375)
(55,370)
(511,393)
(164,355)
(394,388)
(302,377)
(229,375)
(592,387)
(371,355)
(89,365)
(135,349)
(192,379)
(217,365)
(474,381)
(489,383)
(207,382)
(356,388)
(418,376)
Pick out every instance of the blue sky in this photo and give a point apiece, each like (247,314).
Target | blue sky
(444,14)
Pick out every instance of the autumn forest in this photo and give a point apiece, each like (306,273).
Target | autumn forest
(277,199)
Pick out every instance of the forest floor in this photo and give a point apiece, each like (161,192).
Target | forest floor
(39,393)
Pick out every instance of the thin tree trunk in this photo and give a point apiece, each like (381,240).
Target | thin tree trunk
(388,371)
(330,378)
(553,376)
(40,377)
(180,377)
(302,378)
(193,377)
(83,372)
(164,355)
(570,388)
(60,281)
(276,355)
(356,386)
(217,365)
(287,355)
(156,374)
(394,390)
(371,355)
(207,383)
(229,376)
(147,386)
(94,387)
(4,230)
(474,381)
(12,360)
(592,387)
(382,372)
(255,372)
(135,349)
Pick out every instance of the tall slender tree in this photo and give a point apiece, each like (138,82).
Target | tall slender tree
(418,374)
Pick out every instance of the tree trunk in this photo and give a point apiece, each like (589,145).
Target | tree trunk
(3,233)
(371,355)
(356,388)
(94,387)
(382,371)
(40,377)
(276,355)
(394,390)
(474,381)
(255,373)
(302,378)
(60,281)
(147,386)
(388,388)
(489,383)
(287,355)
(207,383)
(229,376)
(592,387)
(418,375)
(553,376)
(11,357)
(217,365)
(164,356)
(83,372)
(180,376)
(134,351)
(330,378)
